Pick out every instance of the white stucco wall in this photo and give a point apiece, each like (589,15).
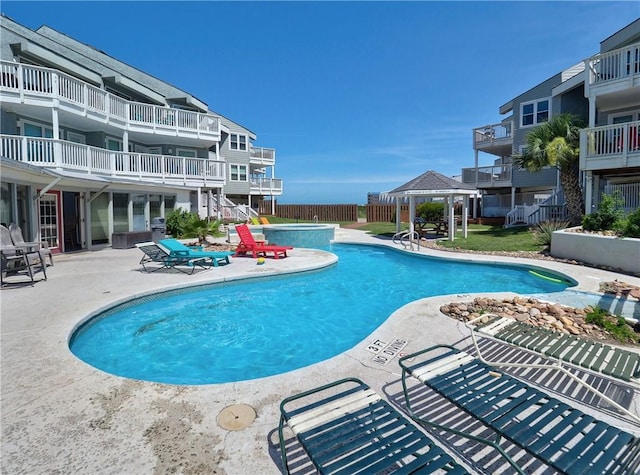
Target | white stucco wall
(616,252)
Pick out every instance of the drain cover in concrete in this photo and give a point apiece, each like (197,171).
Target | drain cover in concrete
(236,417)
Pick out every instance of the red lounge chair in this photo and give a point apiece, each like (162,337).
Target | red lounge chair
(257,248)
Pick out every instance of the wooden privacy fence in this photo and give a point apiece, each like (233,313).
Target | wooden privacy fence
(386,213)
(311,212)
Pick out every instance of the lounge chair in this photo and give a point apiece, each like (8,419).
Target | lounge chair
(18,240)
(254,220)
(588,354)
(345,427)
(264,220)
(17,258)
(157,254)
(248,245)
(554,432)
(180,250)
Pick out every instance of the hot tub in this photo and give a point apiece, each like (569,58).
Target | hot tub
(314,236)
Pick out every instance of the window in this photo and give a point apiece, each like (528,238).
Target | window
(238,172)
(120,212)
(114,144)
(183,152)
(533,113)
(238,142)
(77,138)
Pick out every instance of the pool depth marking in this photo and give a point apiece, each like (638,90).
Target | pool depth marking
(385,352)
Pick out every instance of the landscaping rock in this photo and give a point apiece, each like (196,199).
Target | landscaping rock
(556,317)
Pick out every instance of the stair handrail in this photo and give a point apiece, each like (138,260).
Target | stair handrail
(406,239)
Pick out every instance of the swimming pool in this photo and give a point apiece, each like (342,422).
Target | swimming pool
(243,330)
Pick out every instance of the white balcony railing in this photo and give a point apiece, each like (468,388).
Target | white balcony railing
(26,81)
(613,65)
(488,177)
(266,186)
(490,133)
(64,155)
(617,142)
(263,156)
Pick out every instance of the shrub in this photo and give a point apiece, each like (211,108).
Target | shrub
(185,224)
(202,228)
(543,231)
(430,211)
(631,225)
(616,326)
(177,220)
(610,215)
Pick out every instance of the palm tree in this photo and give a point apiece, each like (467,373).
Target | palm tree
(556,143)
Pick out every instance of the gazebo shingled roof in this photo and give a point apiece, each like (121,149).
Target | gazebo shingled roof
(431,181)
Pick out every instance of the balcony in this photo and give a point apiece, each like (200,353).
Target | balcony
(610,146)
(497,176)
(37,90)
(265,186)
(60,155)
(495,139)
(614,72)
(265,157)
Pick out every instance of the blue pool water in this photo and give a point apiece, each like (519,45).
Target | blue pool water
(244,330)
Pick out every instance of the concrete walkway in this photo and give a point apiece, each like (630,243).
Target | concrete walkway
(60,415)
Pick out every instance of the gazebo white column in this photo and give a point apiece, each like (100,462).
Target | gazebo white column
(450,203)
(465,214)
(412,214)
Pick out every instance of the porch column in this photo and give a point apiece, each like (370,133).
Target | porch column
(57,146)
(588,193)
(592,112)
(219,203)
(513,197)
(125,141)
(87,218)
(398,218)
(475,153)
(110,217)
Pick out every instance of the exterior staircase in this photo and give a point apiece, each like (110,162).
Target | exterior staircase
(553,208)
(230,210)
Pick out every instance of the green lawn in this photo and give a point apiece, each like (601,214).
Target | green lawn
(480,237)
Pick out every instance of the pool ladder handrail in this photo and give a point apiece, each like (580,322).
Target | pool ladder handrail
(407,238)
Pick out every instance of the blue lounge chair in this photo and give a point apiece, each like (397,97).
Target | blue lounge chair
(557,434)
(176,248)
(345,427)
(153,253)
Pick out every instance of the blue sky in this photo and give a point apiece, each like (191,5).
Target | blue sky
(354,96)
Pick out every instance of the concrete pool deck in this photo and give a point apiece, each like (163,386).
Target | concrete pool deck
(59,415)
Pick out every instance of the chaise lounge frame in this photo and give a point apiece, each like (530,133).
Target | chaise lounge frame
(554,432)
(591,355)
(587,354)
(177,249)
(346,427)
(157,254)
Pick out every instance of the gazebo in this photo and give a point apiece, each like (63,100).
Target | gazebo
(434,185)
